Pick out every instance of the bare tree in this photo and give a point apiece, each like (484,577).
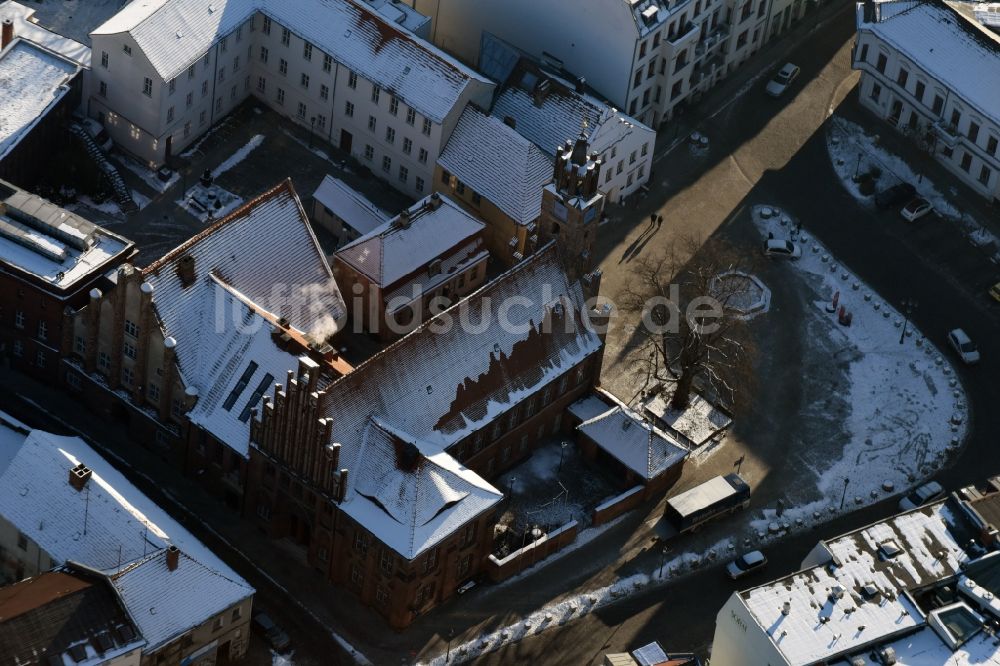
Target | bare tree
(690,328)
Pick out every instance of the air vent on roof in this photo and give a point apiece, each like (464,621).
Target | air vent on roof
(887,656)
(211,9)
(786,608)
(888,549)
(626,424)
(179,34)
(836,592)
(858,661)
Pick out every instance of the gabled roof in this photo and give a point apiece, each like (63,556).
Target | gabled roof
(42,618)
(498,163)
(173,34)
(394,250)
(445,381)
(349,205)
(631,439)
(166,604)
(264,262)
(410,499)
(109,525)
(940,41)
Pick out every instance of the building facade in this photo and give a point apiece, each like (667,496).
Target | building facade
(344,212)
(50,259)
(385,484)
(355,78)
(422,261)
(944,108)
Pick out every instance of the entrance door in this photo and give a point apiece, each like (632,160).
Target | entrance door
(345,141)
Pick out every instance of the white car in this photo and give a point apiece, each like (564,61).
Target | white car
(964,345)
(97,133)
(746,564)
(916,209)
(784,78)
(926,493)
(782,249)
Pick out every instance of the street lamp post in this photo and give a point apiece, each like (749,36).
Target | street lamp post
(663,559)
(510,488)
(562,452)
(844,496)
(909,305)
(312,130)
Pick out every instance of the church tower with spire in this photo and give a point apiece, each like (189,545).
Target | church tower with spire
(572,206)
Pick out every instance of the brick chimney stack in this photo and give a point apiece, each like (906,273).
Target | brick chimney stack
(78,476)
(6,32)
(173,557)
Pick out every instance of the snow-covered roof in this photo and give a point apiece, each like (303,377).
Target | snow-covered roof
(173,34)
(27,28)
(445,381)
(108,525)
(940,41)
(632,440)
(819,626)
(263,262)
(925,648)
(409,242)
(32,81)
(349,205)
(51,243)
(410,495)
(498,163)
(166,604)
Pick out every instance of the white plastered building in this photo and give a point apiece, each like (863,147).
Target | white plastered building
(356,74)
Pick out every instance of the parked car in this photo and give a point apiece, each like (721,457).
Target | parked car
(995,292)
(923,495)
(746,564)
(784,78)
(782,249)
(97,133)
(916,209)
(275,635)
(895,195)
(965,347)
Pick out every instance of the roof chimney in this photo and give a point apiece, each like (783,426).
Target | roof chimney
(435,201)
(185,270)
(403,221)
(510,121)
(173,557)
(581,85)
(78,476)
(870,12)
(786,608)
(541,91)
(7,32)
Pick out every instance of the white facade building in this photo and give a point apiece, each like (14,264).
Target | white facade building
(357,75)
(932,73)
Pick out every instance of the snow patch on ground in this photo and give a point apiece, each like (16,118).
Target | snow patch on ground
(109,207)
(558,614)
(238,156)
(199,202)
(282,659)
(140,200)
(148,175)
(908,411)
(846,140)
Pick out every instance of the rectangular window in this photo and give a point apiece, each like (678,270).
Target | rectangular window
(79,345)
(361,543)
(918,91)
(991,145)
(381,595)
(324,91)
(18,348)
(281,96)
(128,376)
(864,53)
(302,110)
(129,350)
(881,63)
(876,91)
(411,116)
(973,132)
(147,87)
(190,72)
(390,135)
(956,117)
(404,174)
(445,176)
(407,146)
(222,73)
(22,541)
(637,79)
(349,109)
(352,80)
(265,383)
(170,115)
(236,63)
(263,54)
(305,81)
(189,100)
(386,562)
(418,184)
(394,105)
(126,49)
(239,33)
(327,62)
(427,127)
(984,175)
(40,358)
(283,66)
(371,123)
(204,88)
(104,361)
(187,129)
(102,89)
(321,121)
(966,162)
(286,36)
(104,59)
(261,84)
(376,93)
(386,163)
(938,104)
(267,26)
(154,392)
(369,152)
(903,77)
(307,51)
(422,156)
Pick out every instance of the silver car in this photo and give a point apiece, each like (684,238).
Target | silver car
(781,249)
(746,564)
(784,78)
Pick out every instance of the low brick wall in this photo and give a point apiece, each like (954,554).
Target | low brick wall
(615,506)
(499,570)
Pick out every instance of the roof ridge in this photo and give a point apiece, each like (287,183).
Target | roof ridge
(241,212)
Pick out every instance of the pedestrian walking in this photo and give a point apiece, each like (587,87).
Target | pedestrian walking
(659,222)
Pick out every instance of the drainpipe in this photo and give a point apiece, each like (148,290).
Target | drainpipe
(333,101)
(215,78)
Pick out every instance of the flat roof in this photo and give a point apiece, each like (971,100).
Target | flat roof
(32,80)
